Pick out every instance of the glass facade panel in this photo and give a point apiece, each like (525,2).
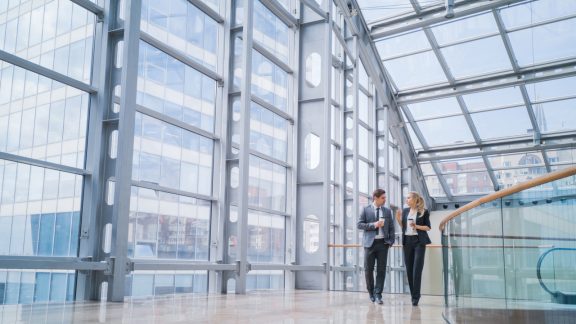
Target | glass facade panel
(415,70)
(172,88)
(468,59)
(266,238)
(466,28)
(550,42)
(270,31)
(184,27)
(56,34)
(40,118)
(171,156)
(267,185)
(496,123)
(485,100)
(555,116)
(469,183)
(403,44)
(167,226)
(39,211)
(436,133)
(142,284)
(268,132)
(40,286)
(269,82)
(434,108)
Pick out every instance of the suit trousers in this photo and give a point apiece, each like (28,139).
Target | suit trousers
(376,254)
(414,253)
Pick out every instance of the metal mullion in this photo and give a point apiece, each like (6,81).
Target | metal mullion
(175,122)
(159,188)
(439,117)
(43,164)
(336,31)
(364,90)
(270,159)
(442,181)
(393,57)
(468,40)
(90,6)
(180,56)
(179,265)
(207,10)
(123,168)
(516,68)
(415,128)
(364,159)
(268,211)
(271,57)
(279,11)
(50,263)
(439,56)
(51,74)
(554,99)
(272,108)
(244,154)
(469,120)
(542,23)
(559,69)
(428,17)
(490,171)
(365,125)
(312,5)
(337,63)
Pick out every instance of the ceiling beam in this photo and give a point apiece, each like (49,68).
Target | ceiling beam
(428,17)
(555,70)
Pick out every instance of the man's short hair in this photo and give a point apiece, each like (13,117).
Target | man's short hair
(377,193)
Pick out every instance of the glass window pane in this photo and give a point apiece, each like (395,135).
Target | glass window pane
(502,123)
(376,9)
(267,185)
(561,156)
(460,165)
(270,31)
(434,187)
(495,98)
(472,58)
(184,27)
(533,12)
(508,178)
(556,116)
(173,88)
(556,88)
(550,42)
(171,156)
(167,226)
(269,82)
(67,41)
(467,28)
(469,183)
(403,44)
(268,132)
(516,160)
(437,133)
(266,238)
(434,108)
(415,70)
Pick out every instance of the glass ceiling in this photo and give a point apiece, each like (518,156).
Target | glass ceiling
(509,113)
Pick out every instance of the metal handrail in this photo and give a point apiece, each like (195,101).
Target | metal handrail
(538,274)
(553,176)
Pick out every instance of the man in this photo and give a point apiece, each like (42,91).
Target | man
(376,222)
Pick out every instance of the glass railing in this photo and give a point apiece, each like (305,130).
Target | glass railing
(514,249)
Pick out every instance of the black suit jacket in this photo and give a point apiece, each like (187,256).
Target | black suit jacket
(421,219)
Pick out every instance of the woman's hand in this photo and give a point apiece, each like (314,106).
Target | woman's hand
(399,216)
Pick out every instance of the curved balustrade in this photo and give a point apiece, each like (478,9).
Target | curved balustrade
(559,296)
(492,247)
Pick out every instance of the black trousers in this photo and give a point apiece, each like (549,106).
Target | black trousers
(376,254)
(414,253)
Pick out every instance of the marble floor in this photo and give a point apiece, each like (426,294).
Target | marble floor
(300,306)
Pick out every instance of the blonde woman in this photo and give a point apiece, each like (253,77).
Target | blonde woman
(415,222)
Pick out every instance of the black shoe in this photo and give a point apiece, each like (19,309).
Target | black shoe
(372,298)
(414,302)
(379,300)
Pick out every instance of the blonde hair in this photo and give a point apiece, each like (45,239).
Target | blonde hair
(420,205)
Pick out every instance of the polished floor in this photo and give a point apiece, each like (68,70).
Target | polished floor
(299,306)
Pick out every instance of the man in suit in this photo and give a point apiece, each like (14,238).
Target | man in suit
(376,222)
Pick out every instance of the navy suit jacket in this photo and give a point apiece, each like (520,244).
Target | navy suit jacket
(421,219)
(366,223)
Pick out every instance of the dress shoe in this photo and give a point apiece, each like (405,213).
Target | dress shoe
(372,298)
(379,300)
(414,302)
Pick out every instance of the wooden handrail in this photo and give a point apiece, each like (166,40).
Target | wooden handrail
(458,246)
(553,176)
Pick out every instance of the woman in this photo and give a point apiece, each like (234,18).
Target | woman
(415,222)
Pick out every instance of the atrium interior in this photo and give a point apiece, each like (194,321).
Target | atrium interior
(170,159)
